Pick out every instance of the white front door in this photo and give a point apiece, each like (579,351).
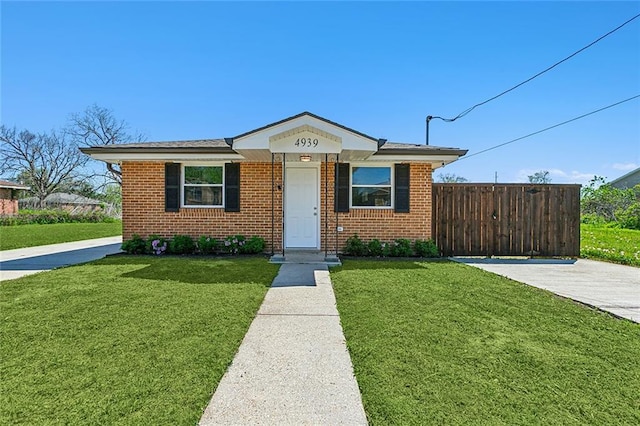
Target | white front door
(301,207)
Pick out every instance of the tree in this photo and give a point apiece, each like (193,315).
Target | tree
(43,161)
(112,194)
(451,178)
(98,126)
(540,177)
(601,200)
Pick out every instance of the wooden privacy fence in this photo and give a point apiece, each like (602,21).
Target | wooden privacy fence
(506,219)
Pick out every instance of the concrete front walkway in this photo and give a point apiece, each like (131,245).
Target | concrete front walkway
(293,367)
(26,261)
(607,286)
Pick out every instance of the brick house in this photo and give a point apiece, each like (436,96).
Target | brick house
(301,183)
(9,196)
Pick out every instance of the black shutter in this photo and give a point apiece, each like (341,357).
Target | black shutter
(232,187)
(341,202)
(171,187)
(402,188)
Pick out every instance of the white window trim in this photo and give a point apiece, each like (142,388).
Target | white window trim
(392,184)
(182,185)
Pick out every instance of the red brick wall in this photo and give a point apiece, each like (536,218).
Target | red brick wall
(383,224)
(7,205)
(143,208)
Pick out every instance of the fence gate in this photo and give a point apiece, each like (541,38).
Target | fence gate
(506,219)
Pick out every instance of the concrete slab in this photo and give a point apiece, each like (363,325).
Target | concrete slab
(57,248)
(607,286)
(22,262)
(298,274)
(293,367)
(298,256)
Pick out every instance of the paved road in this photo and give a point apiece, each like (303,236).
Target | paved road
(607,286)
(27,261)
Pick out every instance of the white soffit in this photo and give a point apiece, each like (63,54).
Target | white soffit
(435,160)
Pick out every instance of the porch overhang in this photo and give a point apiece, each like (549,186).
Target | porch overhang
(304,135)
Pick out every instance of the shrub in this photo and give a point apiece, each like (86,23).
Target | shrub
(603,205)
(182,244)
(630,217)
(233,244)
(426,248)
(156,245)
(136,245)
(355,246)
(253,245)
(592,219)
(46,217)
(207,245)
(375,248)
(401,248)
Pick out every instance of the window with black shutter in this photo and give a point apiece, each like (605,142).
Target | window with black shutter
(172,187)
(401,188)
(341,202)
(232,187)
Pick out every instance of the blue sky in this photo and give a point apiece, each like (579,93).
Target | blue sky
(189,70)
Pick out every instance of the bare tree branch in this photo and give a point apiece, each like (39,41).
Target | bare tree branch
(45,161)
(451,178)
(97,126)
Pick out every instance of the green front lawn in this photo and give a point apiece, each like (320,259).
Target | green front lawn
(124,340)
(21,236)
(445,343)
(610,244)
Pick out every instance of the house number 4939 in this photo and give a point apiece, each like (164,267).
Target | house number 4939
(306,142)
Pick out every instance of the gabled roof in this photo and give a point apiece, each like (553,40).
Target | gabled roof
(260,143)
(310,114)
(63,198)
(12,185)
(628,180)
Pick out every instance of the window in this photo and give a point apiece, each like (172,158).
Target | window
(202,186)
(371,187)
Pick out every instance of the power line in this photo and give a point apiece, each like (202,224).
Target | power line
(549,128)
(468,110)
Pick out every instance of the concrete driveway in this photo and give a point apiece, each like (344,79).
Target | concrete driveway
(606,286)
(27,261)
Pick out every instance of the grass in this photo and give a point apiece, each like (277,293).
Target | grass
(21,236)
(124,340)
(610,244)
(445,343)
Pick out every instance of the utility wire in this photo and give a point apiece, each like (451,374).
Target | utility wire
(468,110)
(549,128)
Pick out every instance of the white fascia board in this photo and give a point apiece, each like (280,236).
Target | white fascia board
(176,157)
(436,160)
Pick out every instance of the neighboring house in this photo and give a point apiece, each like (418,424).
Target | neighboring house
(9,196)
(301,183)
(629,180)
(72,203)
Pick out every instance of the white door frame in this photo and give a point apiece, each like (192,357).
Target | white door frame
(300,165)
